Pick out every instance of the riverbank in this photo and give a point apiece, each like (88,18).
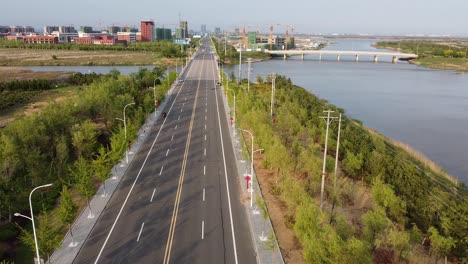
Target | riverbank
(378,211)
(442,55)
(46,57)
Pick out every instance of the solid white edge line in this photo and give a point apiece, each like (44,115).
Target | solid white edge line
(136,179)
(203,230)
(225,174)
(152,196)
(160,172)
(141,229)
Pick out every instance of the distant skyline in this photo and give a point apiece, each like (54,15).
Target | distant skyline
(397,17)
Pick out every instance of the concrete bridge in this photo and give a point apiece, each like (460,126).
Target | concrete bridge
(338,53)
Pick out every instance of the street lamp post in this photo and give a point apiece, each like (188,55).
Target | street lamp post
(234,123)
(251,163)
(32,219)
(125,128)
(154,95)
(240,63)
(249,69)
(273,90)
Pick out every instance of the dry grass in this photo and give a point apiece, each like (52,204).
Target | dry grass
(11,73)
(33,57)
(418,156)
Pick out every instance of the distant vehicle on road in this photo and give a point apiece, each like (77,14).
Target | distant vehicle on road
(164,114)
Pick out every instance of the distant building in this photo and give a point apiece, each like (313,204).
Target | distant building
(114,29)
(49,29)
(129,29)
(184,28)
(127,36)
(251,38)
(4,29)
(237,31)
(98,39)
(203,29)
(67,30)
(163,34)
(147,31)
(34,39)
(217,31)
(179,33)
(21,29)
(86,29)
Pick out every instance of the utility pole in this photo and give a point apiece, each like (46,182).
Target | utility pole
(329,119)
(225,45)
(249,62)
(273,90)
(240,64)
(337,150)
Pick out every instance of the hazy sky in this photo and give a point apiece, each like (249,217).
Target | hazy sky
(447,17)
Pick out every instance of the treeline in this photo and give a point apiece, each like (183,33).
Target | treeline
(426,48)
(231,56)
(410,204)
(166,48)
(72,144)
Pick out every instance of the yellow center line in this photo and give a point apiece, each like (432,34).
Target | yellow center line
(167,253)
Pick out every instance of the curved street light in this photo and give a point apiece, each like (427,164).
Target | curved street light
(251,163)
(32,219)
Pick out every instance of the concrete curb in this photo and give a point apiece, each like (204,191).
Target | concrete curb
(260,229)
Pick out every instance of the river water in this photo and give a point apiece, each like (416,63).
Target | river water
(426,109)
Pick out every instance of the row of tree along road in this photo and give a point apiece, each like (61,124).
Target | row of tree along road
(72,144)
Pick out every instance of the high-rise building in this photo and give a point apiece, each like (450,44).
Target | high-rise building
(203,29)
(49,29)
(86,29)
(147,31)
(252,38)
(217,31)
(179,33)
(184,27)
(163,34)
(114,29)
(67,29)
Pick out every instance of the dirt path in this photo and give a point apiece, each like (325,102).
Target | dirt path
(289,245)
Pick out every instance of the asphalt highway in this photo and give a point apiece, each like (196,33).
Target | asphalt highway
(179,201)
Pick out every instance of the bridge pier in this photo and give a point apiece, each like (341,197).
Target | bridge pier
(395,59)
(338,57)
(376,58)
(320,58)
(285,57)
(302,56)
(356,58)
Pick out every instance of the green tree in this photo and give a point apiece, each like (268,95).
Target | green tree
(9,161)
(356,251)
(67,209)
(48,238)
(259,79)
(374,222)
(101,167)
(440,245)
(81,172)
(353,164)
(84,139)
(386,198)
